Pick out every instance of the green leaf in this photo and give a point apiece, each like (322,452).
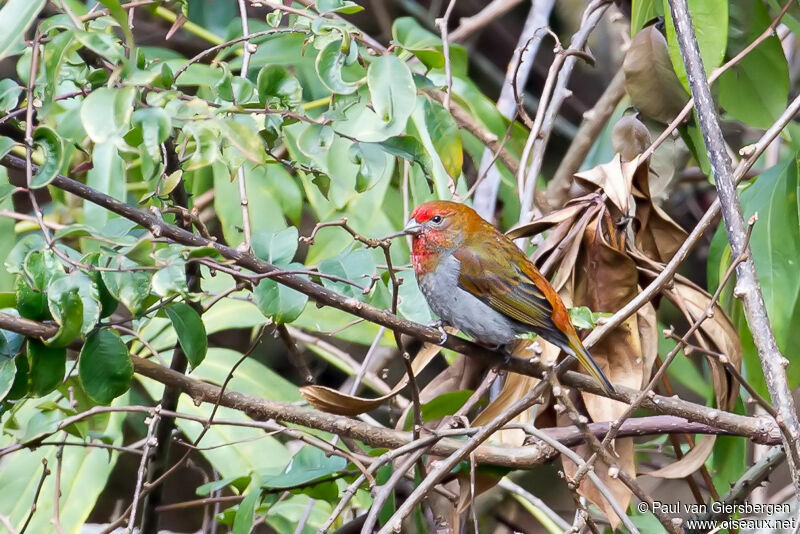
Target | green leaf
(392,92)
(308,465)
(10,344)
(67,309)
(206,146)
(754,90)
(8,371)
(9,94)
(243,520)
(371,161)
(107,175)
(407,147)
(6,144)
(277,248)
(87,291)
(775,245)
(191,331)
(642,12)
(710,22)
(128,286)
(156,126)
(441,406)
(278,88)
(106,113)
(31,303)
(357,266)
(244,139)
(338,6)
(15,19)
(108,304)
(47,367)
(329,64)
(53,158)
(427,46)
(280,303)
(316,139)
(443,131)
(583,317)
(104,366)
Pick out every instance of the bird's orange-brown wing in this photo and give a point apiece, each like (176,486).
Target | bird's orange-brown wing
(500,281)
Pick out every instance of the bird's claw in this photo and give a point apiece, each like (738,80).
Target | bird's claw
(439,325)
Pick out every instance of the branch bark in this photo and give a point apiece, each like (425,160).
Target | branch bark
(747,287)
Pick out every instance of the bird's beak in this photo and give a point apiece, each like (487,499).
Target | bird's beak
(412,228)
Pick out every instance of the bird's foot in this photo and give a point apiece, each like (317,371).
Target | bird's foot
(439,325)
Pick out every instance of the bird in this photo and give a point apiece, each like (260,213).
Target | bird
(478,281)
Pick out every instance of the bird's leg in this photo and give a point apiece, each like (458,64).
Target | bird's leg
(439,325)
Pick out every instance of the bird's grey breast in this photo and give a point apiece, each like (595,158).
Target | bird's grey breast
(461,309)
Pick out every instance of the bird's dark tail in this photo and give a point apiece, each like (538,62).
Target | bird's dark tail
(577,349)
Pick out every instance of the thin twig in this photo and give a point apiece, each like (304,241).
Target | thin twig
(150,442)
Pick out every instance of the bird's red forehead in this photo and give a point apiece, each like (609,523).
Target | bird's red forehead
(424,212)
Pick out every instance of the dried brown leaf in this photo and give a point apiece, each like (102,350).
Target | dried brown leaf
(539,225)
(658,236)
(615,179)
(333,401)
(649,78)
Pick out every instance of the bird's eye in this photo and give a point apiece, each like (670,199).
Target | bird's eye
(436,219)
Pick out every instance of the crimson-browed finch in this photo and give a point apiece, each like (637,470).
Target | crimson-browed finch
(475,279)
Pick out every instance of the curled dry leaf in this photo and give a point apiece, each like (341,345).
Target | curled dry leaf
(333,401)
(615,178)
(650,81)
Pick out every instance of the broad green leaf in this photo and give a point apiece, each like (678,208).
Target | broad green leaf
(357,266)
(206,145)
(710,22)
(243,520)
(754,90)
(266,199)
(67,309)
(643,11)
(407,147)
(729,459)
(31,303)
(309,464)
(107,175)
(104,366)
(775,243)
(244,139)
(278,88)
(277,248)
(106,113)
(427,46)
(191,331)
(392,92)
(9,94)
(53,157)
(10,342)
(371,161)
(128,284)
(329,64)
(280,303)
(315,140)
(86,290)
(47,367)
(412,303)
(108,304)
(156,126)
(15,19)
(8,371)
(338,6)
(443,132)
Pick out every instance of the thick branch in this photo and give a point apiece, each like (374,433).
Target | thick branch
(323,296)
(747,288)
